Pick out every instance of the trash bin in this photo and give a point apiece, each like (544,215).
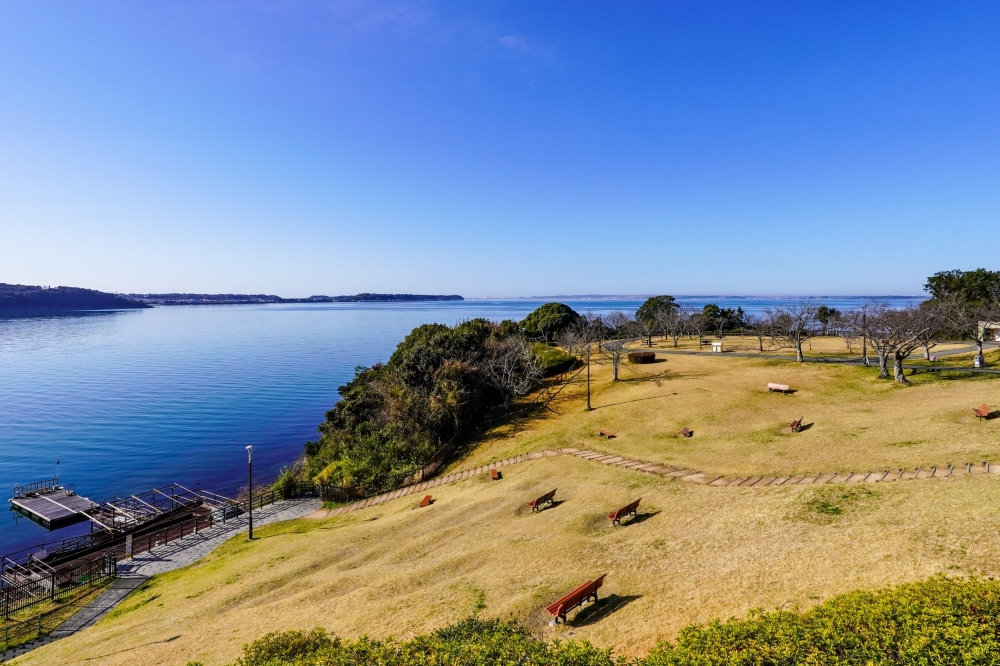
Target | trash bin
(977,361)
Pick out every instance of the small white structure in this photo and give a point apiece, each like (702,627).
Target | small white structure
(717,347)
(989,330)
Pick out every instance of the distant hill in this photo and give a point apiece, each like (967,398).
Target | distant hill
(26,298)
(232,299)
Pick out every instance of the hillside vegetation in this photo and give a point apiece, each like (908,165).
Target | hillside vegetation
(25,298)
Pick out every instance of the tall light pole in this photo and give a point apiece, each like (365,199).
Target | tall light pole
(250,484)
(588,378)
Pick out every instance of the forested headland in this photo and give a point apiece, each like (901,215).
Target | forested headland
(393,416)
(28,298)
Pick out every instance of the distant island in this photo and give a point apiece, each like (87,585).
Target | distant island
(19,298)
(236,299)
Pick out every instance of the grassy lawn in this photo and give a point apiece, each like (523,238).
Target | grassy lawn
(51,613)
(696,554)
(858,422)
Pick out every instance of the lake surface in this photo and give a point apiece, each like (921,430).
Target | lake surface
(132,400)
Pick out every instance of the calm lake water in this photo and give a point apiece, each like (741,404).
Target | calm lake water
(132,400)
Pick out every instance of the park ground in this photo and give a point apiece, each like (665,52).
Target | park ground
(695,553)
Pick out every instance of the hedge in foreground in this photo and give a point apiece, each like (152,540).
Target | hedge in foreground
(937,621)
(469,643)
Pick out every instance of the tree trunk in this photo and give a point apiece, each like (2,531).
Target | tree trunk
(614,368)
(760,343)
(676,338)
(927,352)
(897,368)
(798,351)
(883,365)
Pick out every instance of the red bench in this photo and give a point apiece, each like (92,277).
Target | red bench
(627,510)
(982,412)
(495,474)
(686,432)
(536,505)
(796,426)
(605,433)
(577,597)
(425,501)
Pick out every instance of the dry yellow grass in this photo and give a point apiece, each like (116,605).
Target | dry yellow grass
(698,553)
(858,422)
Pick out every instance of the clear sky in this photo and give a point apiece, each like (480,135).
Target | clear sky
(498,148)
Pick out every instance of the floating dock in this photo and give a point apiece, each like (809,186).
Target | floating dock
(51,505)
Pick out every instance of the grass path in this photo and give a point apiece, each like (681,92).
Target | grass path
(678,473)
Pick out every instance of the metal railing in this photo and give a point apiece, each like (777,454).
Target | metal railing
(30,586)
(48,485)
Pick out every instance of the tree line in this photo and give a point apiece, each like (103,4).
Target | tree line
(962,305)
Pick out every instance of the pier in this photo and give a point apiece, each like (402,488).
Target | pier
(51,505)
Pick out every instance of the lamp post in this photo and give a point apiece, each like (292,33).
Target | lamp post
(588,378)
(250,484)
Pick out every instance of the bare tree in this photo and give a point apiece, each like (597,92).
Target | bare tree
(795,325)
(936,320)
(672,323)
(894,332)
(512,367)
(697,324)
(968,320)
(622,336)
(647,326)
(758,327)
(574,339)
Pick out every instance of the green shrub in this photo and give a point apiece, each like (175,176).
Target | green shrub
(469,643)
(937,621)
(552,359)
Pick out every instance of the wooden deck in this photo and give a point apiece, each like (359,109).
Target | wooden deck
(54,508)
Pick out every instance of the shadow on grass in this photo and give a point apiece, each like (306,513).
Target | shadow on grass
(805,426)
(638,518)
(603,608)
(625,402)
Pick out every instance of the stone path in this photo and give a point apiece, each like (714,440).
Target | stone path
(172,556)
(679,473)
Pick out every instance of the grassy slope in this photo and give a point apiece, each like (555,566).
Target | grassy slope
(859,423)
(700,553)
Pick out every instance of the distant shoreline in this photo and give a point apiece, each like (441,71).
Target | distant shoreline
(253,299)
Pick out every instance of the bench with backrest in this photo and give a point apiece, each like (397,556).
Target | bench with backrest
(981,412)
(537,504)
(605,433)
(425,501)
(686,432)
(780,388)
(630,509)
(577,597)
(495,474)
(796,426)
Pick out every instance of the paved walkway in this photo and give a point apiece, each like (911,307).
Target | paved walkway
(680,473)
(172,556)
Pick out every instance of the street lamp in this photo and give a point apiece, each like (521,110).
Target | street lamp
(250,484)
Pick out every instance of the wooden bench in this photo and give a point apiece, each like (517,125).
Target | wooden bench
(536,504)
(981,412)
(577,597)
(425,501)
(495,474)
(796,426)
(605,433)
(627,510)
(780,388)
(686,432)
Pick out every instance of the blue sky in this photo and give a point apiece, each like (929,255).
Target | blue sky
(503,149)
